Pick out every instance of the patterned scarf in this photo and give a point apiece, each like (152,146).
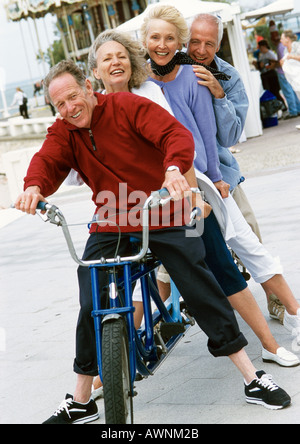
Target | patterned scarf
(181,58)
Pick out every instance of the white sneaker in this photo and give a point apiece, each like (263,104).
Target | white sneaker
(283,357)
(298,127)
(292,324)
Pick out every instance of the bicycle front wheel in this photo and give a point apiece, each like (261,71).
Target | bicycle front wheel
(116,373)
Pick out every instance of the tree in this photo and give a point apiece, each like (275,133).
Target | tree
(55,53)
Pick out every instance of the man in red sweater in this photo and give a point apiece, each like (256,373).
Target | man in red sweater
(125,139)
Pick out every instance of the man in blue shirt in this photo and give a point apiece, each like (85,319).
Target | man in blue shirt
(230,104)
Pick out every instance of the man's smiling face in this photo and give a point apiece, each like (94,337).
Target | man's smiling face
(203,42)
(74,103)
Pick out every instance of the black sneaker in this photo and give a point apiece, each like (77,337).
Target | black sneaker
(71,412)
(264,391)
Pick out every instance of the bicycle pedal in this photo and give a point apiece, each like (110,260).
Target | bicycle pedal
(185,311)
(169,329)
(138,377)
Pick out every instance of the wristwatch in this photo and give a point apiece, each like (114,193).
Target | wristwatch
(173,168)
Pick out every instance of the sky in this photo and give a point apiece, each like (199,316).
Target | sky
(18,44)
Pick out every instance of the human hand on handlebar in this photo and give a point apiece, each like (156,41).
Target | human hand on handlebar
(176,184)
(27,202)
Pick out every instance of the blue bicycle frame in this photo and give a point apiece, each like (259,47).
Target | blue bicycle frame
(144,354)
(142,346)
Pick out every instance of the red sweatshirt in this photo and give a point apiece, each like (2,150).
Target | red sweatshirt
(123,156)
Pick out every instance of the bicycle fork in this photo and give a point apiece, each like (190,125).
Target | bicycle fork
(115,311)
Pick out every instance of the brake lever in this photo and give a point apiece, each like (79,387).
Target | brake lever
(161,197)
(196,212)
(51,215)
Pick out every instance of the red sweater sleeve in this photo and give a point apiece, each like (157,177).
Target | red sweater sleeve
(52,164)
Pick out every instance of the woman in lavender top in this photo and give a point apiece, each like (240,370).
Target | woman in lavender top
(190,102)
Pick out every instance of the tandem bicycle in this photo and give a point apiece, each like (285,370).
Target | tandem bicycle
(124,353)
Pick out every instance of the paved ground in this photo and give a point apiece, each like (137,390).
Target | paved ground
(38,310)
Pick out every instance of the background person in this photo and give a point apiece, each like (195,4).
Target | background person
(21,99)
(267,62)
(290,96)
(291,61)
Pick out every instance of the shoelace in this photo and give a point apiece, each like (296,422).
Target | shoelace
(64,406)
(267,382)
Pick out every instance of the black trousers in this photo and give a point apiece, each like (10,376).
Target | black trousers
(271,83)
(24,111)
(183,257)
(219,258)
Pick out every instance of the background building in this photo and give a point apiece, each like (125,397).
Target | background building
(79,22)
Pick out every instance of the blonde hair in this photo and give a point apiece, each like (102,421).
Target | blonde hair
(136,56)
(168,14)
(290,35)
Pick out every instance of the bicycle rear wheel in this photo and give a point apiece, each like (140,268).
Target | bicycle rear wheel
(116,373)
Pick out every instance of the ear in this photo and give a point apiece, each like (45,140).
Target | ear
(89,87)
(96,75)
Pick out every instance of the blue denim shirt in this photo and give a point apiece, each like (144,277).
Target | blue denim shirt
(230,114)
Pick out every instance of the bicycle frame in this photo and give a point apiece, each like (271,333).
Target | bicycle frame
(143,351)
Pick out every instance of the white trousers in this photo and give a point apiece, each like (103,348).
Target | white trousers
(260,263)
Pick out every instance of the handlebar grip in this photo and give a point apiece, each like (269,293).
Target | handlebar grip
(164,193)
(42,206)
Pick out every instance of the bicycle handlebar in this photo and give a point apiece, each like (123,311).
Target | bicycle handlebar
(43,206)
(55,216)
(164,193)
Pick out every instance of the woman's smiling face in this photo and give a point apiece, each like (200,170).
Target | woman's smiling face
(113,66)
(162,41)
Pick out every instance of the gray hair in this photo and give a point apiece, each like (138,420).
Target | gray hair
(64,67)
(214,19)
(136,55)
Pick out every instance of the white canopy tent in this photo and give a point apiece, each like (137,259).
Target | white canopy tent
(230,15)
(189,9)
(279,7)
